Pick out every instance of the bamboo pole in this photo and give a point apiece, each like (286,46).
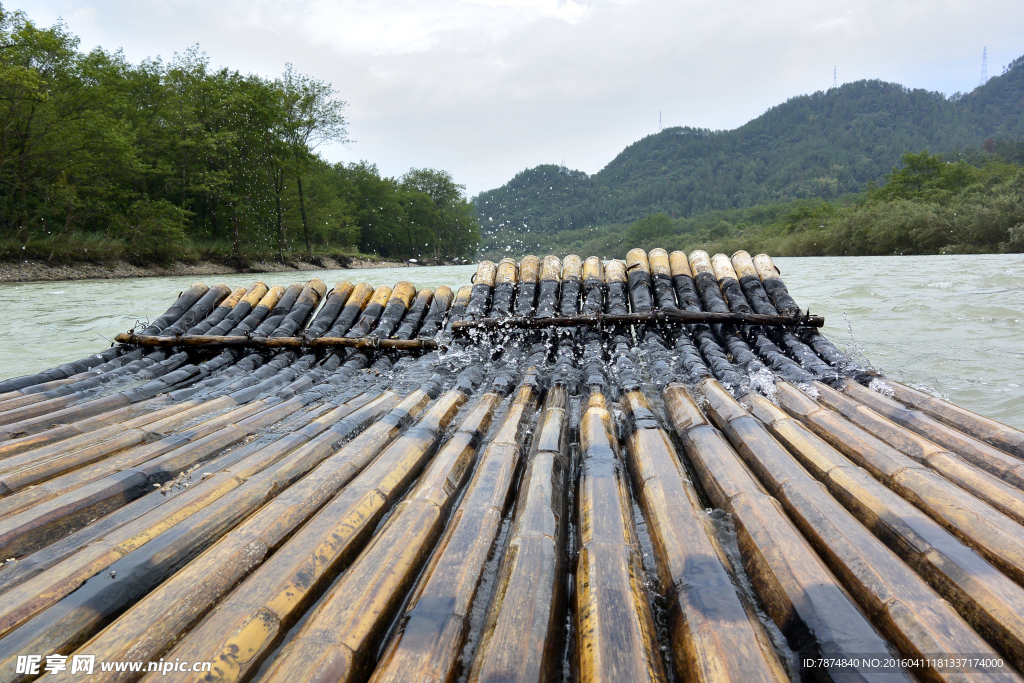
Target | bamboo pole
(156,621)
(430,636)
(771,280)
(572,276)
(414,319)
(208,509)
(979,453)
(353,308)
(520,640)
(751,297)
(433,321)
(505,283)
(615,632)
(714,636)
(340,638)
(206,341)
(982,595)
(258,613)
(988,531)
(219,313)
(252,297)
(601,319)
(968,475)
(797,590)
(550,283)
(483,284)
(900,603)
(994,433)
(526,296)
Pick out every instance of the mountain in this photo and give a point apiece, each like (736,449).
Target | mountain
(823,145)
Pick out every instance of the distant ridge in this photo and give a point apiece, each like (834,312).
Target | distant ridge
(823,145)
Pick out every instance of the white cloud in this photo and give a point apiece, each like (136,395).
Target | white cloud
(486,88)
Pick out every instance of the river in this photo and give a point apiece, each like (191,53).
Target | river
(952,325)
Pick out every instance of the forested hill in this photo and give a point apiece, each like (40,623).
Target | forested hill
(813,146)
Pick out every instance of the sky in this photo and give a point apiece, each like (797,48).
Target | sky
(487,88)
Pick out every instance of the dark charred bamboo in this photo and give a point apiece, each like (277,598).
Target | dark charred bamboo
(328,313)
(797,590)
(600,319)
(751,297)
(505,285)
(252,297)
(771,280)
(218,314)
(414,318)
(733,338)
(982,595)
(302,310)
(483,285)
(434,320)
(526,296)
(431,633)
(550,284)
(572,276)
(206,341)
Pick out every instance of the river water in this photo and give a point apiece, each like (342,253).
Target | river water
(952,325)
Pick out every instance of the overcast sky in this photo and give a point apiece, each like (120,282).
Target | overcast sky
(487,88)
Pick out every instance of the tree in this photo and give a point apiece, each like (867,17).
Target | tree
(312,116)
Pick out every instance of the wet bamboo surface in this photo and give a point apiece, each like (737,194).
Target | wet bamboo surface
(655,468)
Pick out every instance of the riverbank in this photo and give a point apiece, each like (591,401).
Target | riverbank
(41,271)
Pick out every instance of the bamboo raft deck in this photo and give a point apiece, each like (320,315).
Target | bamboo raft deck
(649,469)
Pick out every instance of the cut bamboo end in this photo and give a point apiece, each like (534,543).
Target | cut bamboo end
(744,265)
(485,273)
(572,267)
(551,269)
(679,264)
(615,271)
(722,267)
(462,296)
(637,259)
(765,267)
(508,271)
(660,265)
(529,269)
(593,269)
(403,292)
(360,296)
(700,262)
(380,296)
(443,297)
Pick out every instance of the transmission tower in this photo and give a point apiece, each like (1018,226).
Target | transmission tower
(835,82)
(659,120)
(984,65)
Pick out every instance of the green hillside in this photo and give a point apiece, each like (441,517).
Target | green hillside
(816,147)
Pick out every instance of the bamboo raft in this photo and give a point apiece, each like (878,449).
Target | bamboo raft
(650,469)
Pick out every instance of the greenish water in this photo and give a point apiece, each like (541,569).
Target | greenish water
(952,325)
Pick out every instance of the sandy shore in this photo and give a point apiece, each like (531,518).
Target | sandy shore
(39,271)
